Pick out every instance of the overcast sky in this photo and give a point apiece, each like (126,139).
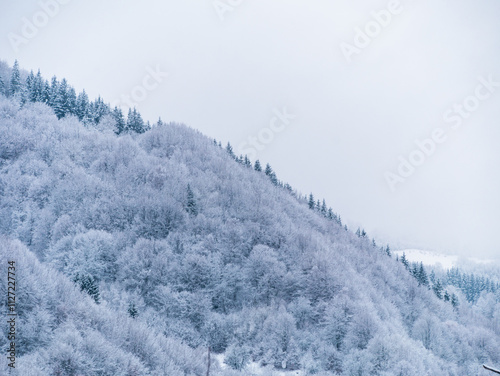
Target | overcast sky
(333,94)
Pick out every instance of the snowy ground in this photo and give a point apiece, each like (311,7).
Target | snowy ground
(435,259)
(254,369)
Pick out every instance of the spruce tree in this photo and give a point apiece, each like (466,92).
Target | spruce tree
(230,151)
(257,166)
(120,120)
(454,301)
(269,172)
(15,80)
(247,162)
(89,285)
(27,89)
(82,107)
(324,208)
(191,206)
(38,88)
(132,310)
(135,122)
(446,296)
(311,202)
(438,289)
(2,87)
(404,261)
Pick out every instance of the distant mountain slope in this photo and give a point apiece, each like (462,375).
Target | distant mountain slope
(166,228)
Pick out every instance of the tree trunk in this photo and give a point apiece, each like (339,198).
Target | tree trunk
(208,362)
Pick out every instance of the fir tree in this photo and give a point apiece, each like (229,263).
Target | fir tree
(89,285)
(388,251)
(257,166)
(120,120)
(82,107)
(311,201)
(247,162)
(324,209)
(15,80)
(2,87)
(230,151)
(404,261)
(438,289)
(132,310)
(446,296)
(191,206)
(135,122)
(454,301)
(269,172)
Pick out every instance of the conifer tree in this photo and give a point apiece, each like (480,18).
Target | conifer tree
(2,87)
(324,208)
(27,89)
(15,80)
(89,285)
(404,261)
(257,166)
(438,289)
(191,206)
(247,162)
(135,122)
(82,107)
(311,202)
(120,120)
(230,151)
(132,310)
(446,296)
(269,172)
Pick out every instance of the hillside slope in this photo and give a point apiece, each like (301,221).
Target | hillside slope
(184,249)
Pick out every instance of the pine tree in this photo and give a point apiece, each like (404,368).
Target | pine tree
(38,88)
(135,122)
(2,87)
(132,310)
(330,215)
(89,285)
(438,289)
(15,80)
(191,206)
(358,232)
(120,120)
(311,201)
(257,166)
(404,261)
(27,89)
(446,296)
(60,100)
(388,251)
(230,151)
(422,276)
(247,162)
(82,107)
(70,105)
(324,209)
(53,92)
(454,301)
(269,172)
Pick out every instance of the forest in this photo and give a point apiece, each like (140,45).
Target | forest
(142,248)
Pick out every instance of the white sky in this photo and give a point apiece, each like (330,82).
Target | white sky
(352,120)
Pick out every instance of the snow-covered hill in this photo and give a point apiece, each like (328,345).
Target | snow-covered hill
(431,258)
